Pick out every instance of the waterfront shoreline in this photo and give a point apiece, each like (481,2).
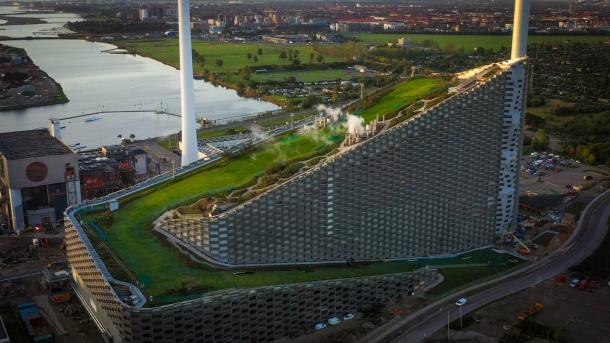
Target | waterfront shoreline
(42,83)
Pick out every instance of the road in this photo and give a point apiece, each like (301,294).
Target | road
(422,324)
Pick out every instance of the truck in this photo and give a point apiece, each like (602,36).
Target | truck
(39,331)
(535,308)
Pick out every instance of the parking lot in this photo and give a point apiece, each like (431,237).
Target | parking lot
(577,315)
(554,175)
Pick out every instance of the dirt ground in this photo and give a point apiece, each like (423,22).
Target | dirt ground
(582,315)
(20,270)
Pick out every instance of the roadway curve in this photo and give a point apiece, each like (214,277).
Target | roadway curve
(422,324)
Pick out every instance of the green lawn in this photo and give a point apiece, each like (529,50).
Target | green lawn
(405,93)
(233,55)
(305,76)
(162,268)
(470,42)
(457,277)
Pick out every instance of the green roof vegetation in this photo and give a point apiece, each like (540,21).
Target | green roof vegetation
(401,96)
(470,42)
(129,231)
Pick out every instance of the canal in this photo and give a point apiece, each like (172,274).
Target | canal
(95,81)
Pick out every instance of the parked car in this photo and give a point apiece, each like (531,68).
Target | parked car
(574,282)
(320,326)
(334,321)
(348,316)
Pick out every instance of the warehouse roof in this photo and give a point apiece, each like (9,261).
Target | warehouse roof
(32,143)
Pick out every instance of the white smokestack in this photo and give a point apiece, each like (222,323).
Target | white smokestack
(55,128)
(520,28)
(190,153)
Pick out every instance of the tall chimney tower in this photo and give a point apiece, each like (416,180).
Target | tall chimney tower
(520,28)
(190,152)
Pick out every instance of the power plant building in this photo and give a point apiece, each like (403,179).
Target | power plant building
(38,179)
(441,182)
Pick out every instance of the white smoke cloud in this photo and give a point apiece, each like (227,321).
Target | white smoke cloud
(258,132)
(354,124)
(333,113)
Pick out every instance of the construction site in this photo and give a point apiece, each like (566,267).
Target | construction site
(37,303)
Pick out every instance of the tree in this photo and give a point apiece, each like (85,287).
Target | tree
(255,59)
(249,55)
(260,51)
(320,58)
(219,63)
(296,61)
(200,59)
(540,140)
(283,55)
(246,73)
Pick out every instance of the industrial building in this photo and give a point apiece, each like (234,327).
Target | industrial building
(111,168)
(439,183)
(39,179)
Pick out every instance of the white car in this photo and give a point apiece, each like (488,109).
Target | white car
(334,321)
(320,326)
(348,316)
(461,302)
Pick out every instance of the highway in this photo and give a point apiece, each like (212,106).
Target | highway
(422,324)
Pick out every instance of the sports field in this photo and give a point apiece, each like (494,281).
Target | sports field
(234,56)
(305,76)
(404,94)
(470,42)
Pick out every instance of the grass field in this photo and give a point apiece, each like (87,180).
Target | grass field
(233,55)
(305,76)
(470,42)
(405,93)
(456,277)
(160,267)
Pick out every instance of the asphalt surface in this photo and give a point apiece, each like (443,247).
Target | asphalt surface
(424,323)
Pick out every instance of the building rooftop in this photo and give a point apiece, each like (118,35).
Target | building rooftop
(32,143)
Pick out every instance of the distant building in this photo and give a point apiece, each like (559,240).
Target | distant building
(38,179)
(143,14)
(405,42)
(152,13)
(393,26)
